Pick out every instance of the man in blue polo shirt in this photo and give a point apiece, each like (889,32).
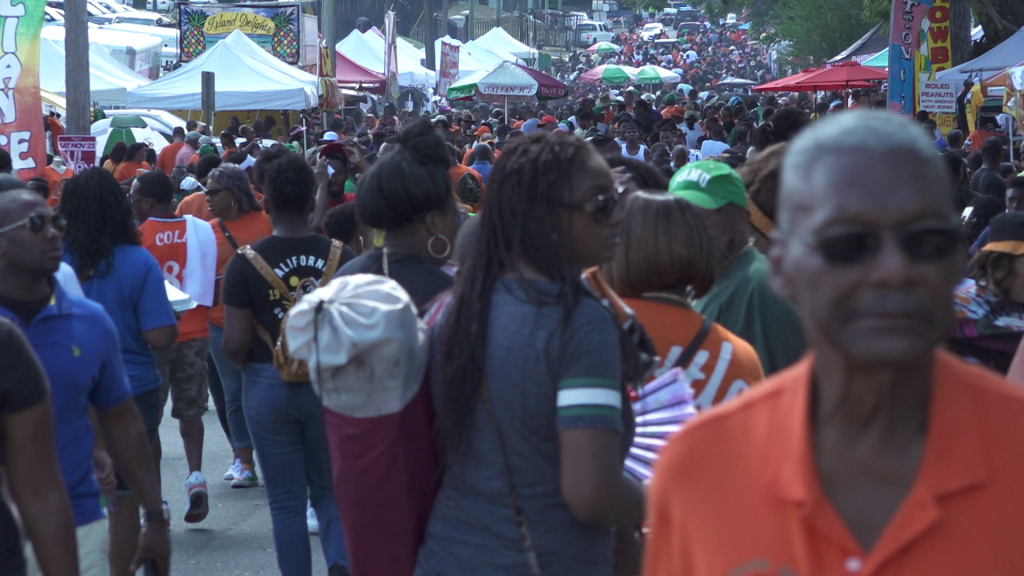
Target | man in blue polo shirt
(79,348)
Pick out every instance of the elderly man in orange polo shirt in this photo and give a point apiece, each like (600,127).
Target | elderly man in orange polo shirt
(879,453)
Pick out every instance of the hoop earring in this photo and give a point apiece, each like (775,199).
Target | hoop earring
(447,246)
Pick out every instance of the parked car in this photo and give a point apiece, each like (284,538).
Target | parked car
(652,31)
(52,16)
(590,32)
(144,19)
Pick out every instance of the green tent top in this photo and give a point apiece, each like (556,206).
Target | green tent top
(880,60)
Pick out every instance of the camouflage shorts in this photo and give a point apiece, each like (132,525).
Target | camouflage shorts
(183,370)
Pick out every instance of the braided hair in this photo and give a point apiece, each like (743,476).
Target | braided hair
(99,219)
(521,223)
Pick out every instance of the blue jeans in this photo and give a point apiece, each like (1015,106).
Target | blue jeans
(231,382)
(287,427)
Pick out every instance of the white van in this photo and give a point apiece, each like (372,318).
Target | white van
(168,38)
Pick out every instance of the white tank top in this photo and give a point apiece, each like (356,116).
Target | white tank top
(638,156)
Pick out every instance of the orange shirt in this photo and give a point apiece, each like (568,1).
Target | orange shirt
(737,490)
(128,169)
(248,229)
(165,240)
(56,181)
(227,152)
(165,161)
(465,156)
(195,205)
(725,364)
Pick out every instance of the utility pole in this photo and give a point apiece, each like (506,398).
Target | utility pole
(471,30)
(430,34)
(329,26)
(76,65)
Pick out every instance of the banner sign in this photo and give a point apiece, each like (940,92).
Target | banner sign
(449,72)
(21,120)
(78,152)
(904,27)
(933,56)
(275,28)
(391,91)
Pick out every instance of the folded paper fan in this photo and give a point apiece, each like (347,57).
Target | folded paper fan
(662,407)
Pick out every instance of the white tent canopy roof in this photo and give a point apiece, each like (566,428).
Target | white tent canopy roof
(243,82)
(245,44)
(1009,53)
(368,51)
(468,62)
(109,80)
(500,41)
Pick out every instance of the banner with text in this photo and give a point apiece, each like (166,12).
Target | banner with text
(21,120)
(78,152)
(392,90)
(934,55)
(449,73)
(275,28)
(905,25)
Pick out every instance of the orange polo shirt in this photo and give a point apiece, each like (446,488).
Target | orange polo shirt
(737,492)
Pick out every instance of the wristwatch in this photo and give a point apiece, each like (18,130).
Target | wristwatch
(161,516)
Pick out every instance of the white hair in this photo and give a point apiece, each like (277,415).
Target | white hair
(856,132)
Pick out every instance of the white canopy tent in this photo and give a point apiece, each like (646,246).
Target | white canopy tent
(109,80)
(242,80)
(469,62)
(1007,54)
(490,56)
(368,51)
(408,64)
(243,43)
(500,41)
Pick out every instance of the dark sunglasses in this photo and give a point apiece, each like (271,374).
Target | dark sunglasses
(37,223)
(601,207)
(920,243)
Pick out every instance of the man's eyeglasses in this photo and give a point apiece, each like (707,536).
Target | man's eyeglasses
(37,223)
(927,242)
(601,207)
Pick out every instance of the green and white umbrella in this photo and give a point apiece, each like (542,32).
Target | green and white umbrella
(508,81)
(603,48)
(130,130)
(656,75)
(608,74)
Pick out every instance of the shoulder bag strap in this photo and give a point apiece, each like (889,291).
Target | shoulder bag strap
(691,349)
(230,238)
(332,262)
(275,281)
(531,553)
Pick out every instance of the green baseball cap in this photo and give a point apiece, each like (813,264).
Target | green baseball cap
(670,99)
(708,184)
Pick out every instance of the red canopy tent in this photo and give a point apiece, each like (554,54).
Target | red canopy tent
(779,84)
(352,76)
(844,75)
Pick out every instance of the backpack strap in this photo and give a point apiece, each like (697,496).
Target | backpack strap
(227,235)
(332,262)
(266,271)
(691,350)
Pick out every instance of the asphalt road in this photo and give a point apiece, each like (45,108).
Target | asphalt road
(235,539)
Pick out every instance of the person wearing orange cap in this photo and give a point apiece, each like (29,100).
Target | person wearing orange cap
(548,123)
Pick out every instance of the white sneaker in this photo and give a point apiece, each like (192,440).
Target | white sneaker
(234,471)
(197,500)
(311,524)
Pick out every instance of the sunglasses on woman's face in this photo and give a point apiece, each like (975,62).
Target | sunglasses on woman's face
(928,242)
(600,207)
(37,223)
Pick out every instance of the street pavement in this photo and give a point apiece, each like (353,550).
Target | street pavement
(236,538)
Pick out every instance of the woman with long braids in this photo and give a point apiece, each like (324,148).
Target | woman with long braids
(103,246)
(532,412)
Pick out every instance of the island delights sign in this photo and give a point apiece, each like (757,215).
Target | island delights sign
(275,29)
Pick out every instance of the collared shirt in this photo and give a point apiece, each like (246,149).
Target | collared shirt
(184,155)
(737,491)
(78,347)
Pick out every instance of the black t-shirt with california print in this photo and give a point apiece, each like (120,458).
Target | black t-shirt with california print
(22,386)
(293,260)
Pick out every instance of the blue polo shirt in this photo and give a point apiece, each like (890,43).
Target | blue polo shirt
(132,293)
(77,345)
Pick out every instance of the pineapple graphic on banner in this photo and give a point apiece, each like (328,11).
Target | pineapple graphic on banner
(275,28)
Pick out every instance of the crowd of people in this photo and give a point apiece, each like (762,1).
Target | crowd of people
(841,288)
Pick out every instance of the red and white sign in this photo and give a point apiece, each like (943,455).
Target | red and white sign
(78,152)
(937,97)
(449,73)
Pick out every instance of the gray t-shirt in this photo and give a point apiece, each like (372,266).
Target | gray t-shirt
(543,376)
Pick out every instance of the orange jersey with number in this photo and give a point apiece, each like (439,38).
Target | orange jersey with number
(165,240)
